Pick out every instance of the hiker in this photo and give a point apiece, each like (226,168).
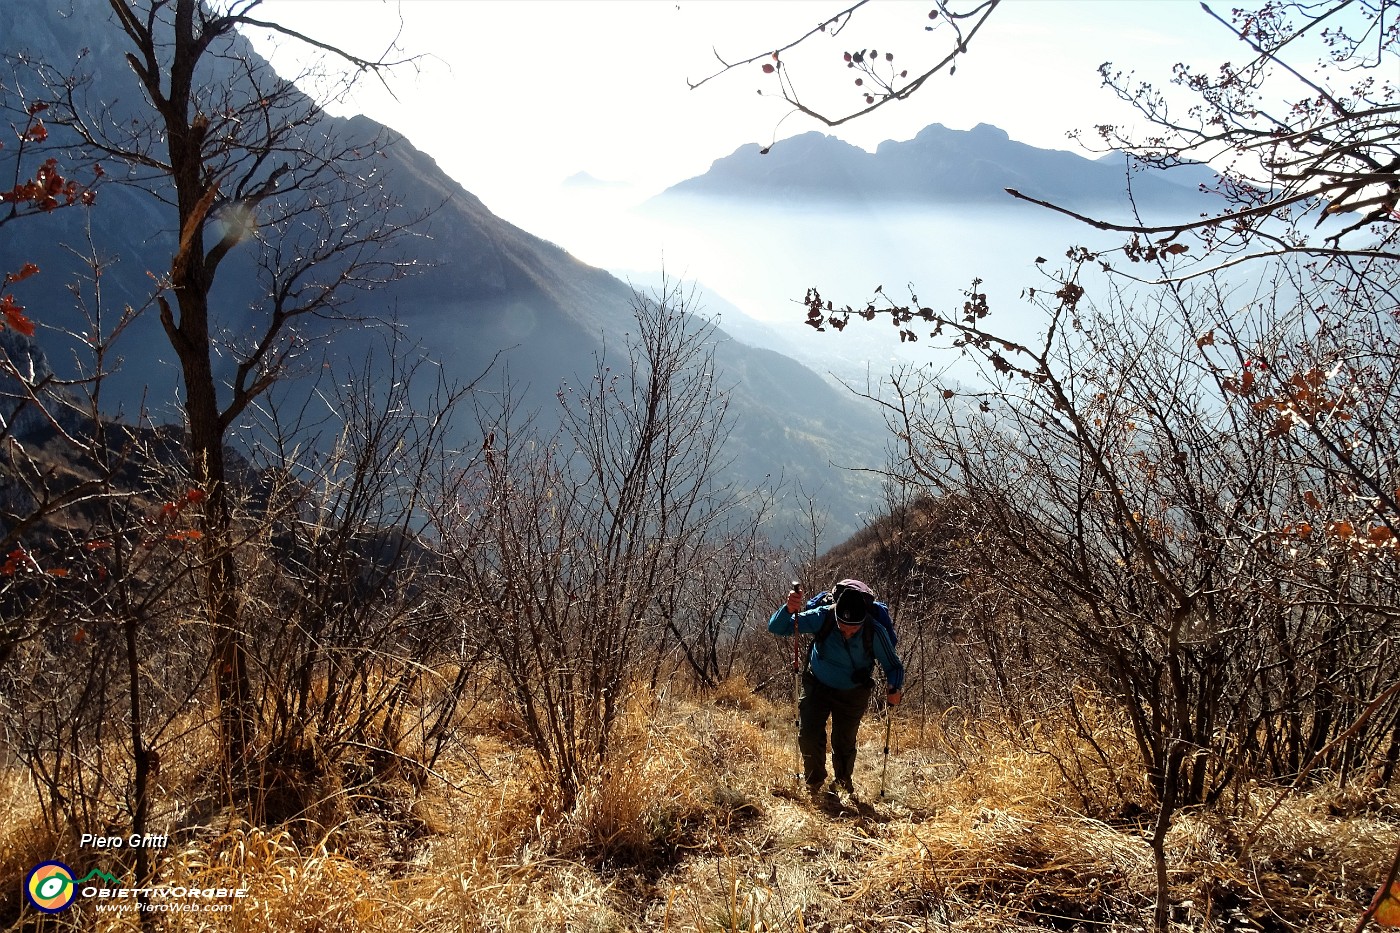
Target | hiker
(837,681)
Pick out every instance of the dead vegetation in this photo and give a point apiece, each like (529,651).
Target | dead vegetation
(695,826)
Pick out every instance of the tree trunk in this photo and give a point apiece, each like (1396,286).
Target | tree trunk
(190,338)
(192,275)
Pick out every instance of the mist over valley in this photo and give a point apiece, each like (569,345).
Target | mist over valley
(921,218)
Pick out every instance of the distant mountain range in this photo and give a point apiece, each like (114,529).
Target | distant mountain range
(939,166)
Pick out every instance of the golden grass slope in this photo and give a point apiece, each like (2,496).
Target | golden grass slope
(696,826)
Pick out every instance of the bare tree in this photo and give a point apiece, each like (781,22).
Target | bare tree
(240,159)
(355,625)
(1121,495)
(1303,133)
(32,398)
(88,567)
(722,593)
(577,547)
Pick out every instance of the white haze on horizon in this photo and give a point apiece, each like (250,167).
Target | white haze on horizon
(762,258)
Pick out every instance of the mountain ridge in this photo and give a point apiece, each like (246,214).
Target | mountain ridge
(938,166)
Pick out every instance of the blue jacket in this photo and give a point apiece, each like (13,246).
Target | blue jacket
(839,662)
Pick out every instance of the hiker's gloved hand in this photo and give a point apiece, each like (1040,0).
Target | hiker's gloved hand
(894,697)
(795,601)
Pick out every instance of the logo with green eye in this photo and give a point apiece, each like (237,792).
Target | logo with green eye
(50,887)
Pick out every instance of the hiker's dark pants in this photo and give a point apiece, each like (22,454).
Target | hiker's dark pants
(844,708)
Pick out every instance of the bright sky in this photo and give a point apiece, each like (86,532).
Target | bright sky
(514,97)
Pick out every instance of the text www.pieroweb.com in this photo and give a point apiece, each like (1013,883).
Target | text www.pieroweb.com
(167,907)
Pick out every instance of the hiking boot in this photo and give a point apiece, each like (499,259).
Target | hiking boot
(814,789)
(845,788)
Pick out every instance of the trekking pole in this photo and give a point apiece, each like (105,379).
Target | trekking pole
(796,686)
(884,768)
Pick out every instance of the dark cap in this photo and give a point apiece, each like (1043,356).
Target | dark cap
(851,607)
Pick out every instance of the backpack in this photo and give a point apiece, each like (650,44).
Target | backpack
(877,615)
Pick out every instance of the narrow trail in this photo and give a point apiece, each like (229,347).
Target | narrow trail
(791,862)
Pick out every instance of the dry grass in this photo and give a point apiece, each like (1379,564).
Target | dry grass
(695,827)
(24,841)
(1029,863)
